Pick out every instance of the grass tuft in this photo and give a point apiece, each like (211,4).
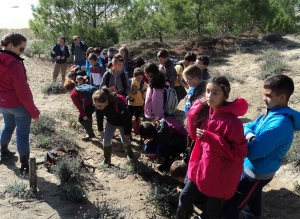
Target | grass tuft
(54,88)
(18,189)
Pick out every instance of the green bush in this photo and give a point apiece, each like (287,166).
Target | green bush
(74,193)
(54,88)
(43,141)
(46,126)
(271,63)
(273,38)
(63,139)
(18,189)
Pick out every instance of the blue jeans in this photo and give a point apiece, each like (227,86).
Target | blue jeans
(248,195)
(80,63)
(157,148)
(109,133)
(20,118)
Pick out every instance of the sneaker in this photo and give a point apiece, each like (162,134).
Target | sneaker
(87,138)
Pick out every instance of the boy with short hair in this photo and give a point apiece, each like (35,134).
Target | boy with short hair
(193,76)
(203,62)
(269,138)
(116,78)
(180,86)
(167,67)
(96,70)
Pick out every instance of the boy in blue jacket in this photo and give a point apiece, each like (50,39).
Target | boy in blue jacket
(269,138)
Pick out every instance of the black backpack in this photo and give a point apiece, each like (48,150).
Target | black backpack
(81,46)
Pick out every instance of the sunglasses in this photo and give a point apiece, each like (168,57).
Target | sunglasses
(187,80)
(21,48)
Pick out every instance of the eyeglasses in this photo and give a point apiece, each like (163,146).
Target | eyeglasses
(187,80)
(21,48)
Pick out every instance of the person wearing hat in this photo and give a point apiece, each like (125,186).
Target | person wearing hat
(78,50)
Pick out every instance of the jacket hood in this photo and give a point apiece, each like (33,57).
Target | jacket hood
(6,59)
(293,114)
(239,107)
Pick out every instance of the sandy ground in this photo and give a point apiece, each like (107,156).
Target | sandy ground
(129,193)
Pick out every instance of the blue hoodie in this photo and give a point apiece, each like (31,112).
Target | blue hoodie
(274,133)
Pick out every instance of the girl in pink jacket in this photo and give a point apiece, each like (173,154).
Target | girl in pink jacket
(216,162)
(154,102)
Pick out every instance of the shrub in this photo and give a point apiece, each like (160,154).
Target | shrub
(54,88)
(18,189)
(43,141)
(294,57)
(271,63)
(273,38)
(74,193)
(293,154)
(248,42)
(45,126)
(63,139)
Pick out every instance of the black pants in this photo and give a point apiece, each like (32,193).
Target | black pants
(180,92)
(89,110)
(191,193)
(135,111)
(88,124)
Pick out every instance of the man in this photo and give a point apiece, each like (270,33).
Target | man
(60,54)
(167,67)
(78,50)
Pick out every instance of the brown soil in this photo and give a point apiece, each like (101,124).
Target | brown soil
(130,191)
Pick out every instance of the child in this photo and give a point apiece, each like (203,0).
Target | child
(116,79)
(215,165)
(117,116)
(154,103)
(180,86)
(159,139)
(167,67)
(269,137)
(193,76)
(203,62)
(96,70)
(86,67)
(81,80)
(137,97)
(85,108)
(128,63)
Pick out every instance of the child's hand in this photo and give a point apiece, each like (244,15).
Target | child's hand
(178,189)
(199,133)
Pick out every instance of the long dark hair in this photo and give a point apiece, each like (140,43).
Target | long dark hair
(158,79)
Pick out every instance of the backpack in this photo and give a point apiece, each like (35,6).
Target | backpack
(170,100)
(141,85)
(123,80)
(81,46)
(88,91)
(120,98)
(175,127)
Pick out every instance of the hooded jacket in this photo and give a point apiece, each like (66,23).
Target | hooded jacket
(14,89)
(154,103)
(216,161)
(274,133)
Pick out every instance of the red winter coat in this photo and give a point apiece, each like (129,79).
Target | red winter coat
(216,161)
(14,89)
(77,98)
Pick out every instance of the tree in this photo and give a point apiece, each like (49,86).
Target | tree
(92,20)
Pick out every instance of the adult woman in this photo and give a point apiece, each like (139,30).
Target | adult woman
(128,64)
(16,101)
(154,103)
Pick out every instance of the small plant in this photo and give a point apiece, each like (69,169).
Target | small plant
(297,187)
(18,189)
(74,193)
(273,38)
(293,155)
(229,76)
(54,88)
(46,126)
(62,139)
(294,57)
(43,141)
(271,63)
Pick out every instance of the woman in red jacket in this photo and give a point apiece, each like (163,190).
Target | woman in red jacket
(16,101)
(216,162)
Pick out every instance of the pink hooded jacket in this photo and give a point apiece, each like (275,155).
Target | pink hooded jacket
(216,161)
(14,89)
(154,103)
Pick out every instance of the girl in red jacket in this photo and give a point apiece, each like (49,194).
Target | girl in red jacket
(216,162)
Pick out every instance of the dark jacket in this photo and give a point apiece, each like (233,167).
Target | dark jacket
(56,51)
(14,89)
(83,46)
(122,118)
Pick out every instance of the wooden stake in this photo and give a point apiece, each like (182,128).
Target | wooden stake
(32,174)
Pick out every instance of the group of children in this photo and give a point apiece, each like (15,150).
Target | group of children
(227,165)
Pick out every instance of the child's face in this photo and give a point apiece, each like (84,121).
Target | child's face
(80,80)
(139,78)
(180,179)
(117,66)
(215,96)
(93,62)
(201,65)
(100,106)
(192,81)
(148,75)
(122,52)
(162,60)
(271,99)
